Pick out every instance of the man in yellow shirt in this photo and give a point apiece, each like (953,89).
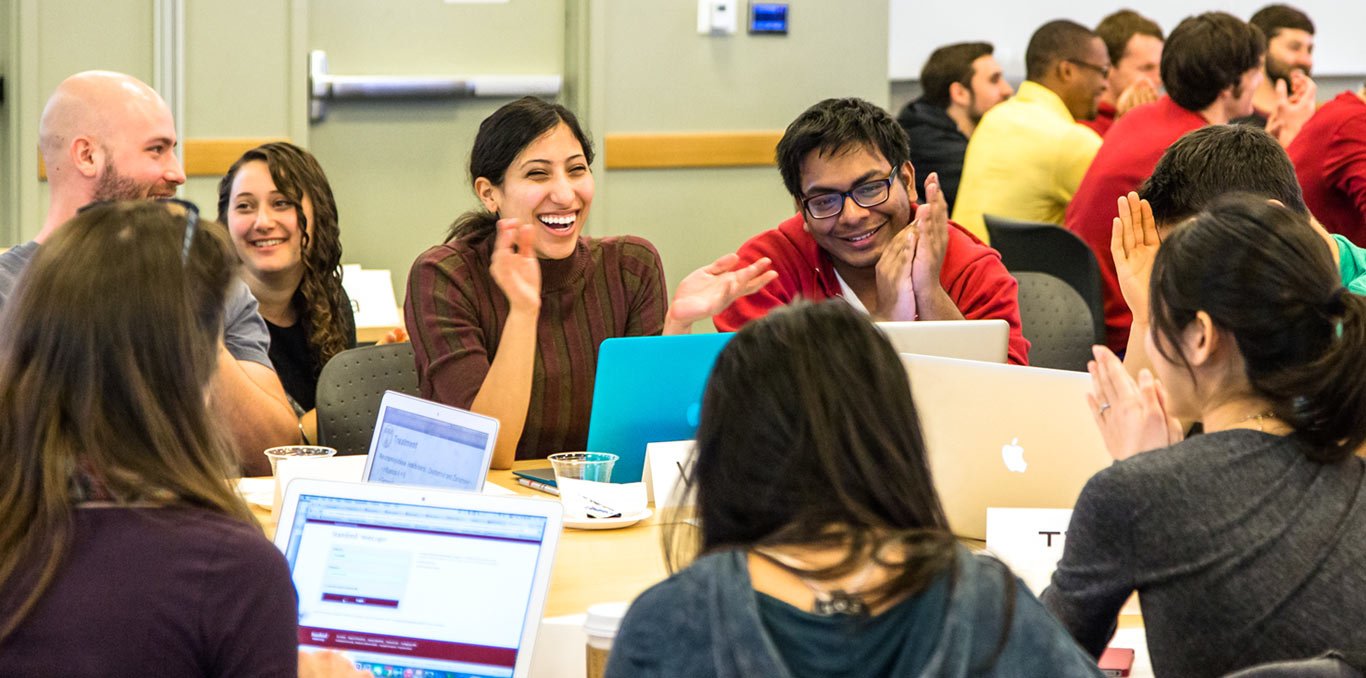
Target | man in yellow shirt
(1028,154)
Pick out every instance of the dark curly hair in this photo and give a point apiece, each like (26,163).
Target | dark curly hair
(297,175)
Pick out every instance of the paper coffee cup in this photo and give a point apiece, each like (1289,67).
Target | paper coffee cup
(601,627)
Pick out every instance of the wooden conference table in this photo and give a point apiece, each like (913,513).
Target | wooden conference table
(591,566)
(598,566)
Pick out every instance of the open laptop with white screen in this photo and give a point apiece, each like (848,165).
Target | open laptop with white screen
(984,340)
(419,442)
(1004,436)
(419,582)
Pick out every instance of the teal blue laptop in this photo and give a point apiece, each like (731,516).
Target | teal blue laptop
(648,389)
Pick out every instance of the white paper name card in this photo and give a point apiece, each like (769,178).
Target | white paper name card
(623,498)
(665,465)
(1030,541)
(372,297)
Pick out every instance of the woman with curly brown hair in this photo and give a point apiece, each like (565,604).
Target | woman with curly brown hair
(283,220)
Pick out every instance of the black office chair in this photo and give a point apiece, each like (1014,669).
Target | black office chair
(1056,321)
(1051,249)
(350,388)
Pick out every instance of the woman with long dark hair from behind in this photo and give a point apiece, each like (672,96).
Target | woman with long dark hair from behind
(1244,544)
(123,549)
(507,315)
(825,550)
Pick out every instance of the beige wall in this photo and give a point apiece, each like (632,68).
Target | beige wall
(8,43)
(47,31)
(652,72)
(397,168)
(243,77)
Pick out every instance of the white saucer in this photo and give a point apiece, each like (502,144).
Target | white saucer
(608,523)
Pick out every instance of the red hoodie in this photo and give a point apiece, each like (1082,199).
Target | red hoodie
(972,275)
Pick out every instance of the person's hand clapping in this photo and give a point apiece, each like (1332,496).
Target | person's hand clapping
(932,238)
(895,281)
(1294,106)
(710,289)
(514,265)
(1140,92)
(1131,415)
(1133,243)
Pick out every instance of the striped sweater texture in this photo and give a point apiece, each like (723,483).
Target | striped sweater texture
(455,313)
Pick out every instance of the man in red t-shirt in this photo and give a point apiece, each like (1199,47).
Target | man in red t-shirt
(1211,64)
(846,164)
(1330,160)
(1135,45)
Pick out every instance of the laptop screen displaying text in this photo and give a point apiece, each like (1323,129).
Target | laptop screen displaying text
(413,589)
(417,450)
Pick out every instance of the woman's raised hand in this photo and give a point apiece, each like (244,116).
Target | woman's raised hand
(514,267)
(1132,415)
(1133,243)
(710,289)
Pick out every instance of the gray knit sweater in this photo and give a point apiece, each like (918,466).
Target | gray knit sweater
(1242,551)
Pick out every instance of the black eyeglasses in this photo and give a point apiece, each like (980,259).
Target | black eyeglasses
(191,219)
(1104,71)
(867,194)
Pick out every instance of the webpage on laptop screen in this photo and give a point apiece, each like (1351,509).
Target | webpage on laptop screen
(414,591)
(417,450)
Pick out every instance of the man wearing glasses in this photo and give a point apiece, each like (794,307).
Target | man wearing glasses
(860,235)
(108,136)
(1028,155)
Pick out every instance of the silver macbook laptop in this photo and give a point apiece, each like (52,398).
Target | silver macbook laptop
(419,442)
(412,582)
(1004,436)
(983,340)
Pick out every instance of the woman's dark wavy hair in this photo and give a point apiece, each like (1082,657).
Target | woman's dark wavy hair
(104,398)
(297,175)
(1263,275)
(502,136)
(809,436)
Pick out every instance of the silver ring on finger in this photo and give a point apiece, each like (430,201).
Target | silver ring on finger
(1102,408)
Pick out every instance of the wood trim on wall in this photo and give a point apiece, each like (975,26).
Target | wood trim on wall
(690,149)
(205,157)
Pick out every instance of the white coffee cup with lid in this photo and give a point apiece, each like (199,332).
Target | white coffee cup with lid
(601,627)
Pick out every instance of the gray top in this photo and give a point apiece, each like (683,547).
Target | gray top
(244,332)
(706,622)
(1242,551)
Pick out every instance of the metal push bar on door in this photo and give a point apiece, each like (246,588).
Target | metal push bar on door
(323,86)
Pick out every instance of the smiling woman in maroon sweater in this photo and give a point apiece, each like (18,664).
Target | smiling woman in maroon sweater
(507,315)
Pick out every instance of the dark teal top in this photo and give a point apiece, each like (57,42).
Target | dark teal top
(707,621)
(816,646)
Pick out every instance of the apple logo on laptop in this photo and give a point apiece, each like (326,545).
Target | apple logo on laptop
(1013,456)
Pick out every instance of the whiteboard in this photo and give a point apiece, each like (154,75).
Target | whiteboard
(919,26)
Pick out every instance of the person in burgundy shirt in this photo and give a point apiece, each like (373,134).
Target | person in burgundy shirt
(845,162)
(1211,64)
(1330,160)
(1135,45)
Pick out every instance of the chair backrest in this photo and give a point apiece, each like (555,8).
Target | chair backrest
(1051,249)
(350,388)
(1056,321)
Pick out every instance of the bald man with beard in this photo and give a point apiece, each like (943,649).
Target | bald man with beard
(108,136)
